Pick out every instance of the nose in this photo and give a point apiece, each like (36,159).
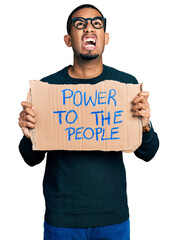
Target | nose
(89,27)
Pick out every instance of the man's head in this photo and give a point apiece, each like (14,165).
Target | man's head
(69,21)
(86,32)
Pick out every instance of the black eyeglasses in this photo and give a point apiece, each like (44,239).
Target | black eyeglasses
(96,22)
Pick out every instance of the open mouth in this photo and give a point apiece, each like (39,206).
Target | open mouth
(89,42)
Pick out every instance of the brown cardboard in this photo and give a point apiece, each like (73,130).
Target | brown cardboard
(66,120)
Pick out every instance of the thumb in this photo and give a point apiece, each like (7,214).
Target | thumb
(26,132)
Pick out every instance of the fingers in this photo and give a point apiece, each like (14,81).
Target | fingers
(28,108)
(26,104)
(141,97)
(141,107)
(27,124)
(27,118)
(142,113)
(145,94)
(27,115)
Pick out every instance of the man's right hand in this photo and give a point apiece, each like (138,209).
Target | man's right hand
(27,118)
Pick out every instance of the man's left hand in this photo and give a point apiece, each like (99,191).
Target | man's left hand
(141,107)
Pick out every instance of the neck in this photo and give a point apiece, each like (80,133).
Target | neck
(86,68)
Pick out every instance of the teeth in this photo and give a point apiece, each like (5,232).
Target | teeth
(89,40)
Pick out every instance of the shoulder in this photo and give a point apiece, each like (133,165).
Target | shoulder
(56,78)
(114,74)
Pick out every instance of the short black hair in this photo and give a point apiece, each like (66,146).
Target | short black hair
(78,8)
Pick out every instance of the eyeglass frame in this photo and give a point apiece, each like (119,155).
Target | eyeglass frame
(73,20)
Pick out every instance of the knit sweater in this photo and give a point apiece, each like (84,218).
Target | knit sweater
(86,188)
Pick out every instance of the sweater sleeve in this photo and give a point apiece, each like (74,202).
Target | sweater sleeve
(31,157)
(149,146)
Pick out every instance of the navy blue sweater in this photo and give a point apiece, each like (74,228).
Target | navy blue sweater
(86,189)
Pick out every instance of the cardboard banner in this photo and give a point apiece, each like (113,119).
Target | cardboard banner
(85,116)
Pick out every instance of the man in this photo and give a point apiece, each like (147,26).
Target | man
(85,192)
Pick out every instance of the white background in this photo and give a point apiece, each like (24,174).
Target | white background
(143,42)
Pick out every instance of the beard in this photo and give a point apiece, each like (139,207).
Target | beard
(89,56)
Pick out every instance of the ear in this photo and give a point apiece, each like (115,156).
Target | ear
(67,40)
(106,38)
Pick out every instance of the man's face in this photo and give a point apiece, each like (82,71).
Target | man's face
(89,42)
